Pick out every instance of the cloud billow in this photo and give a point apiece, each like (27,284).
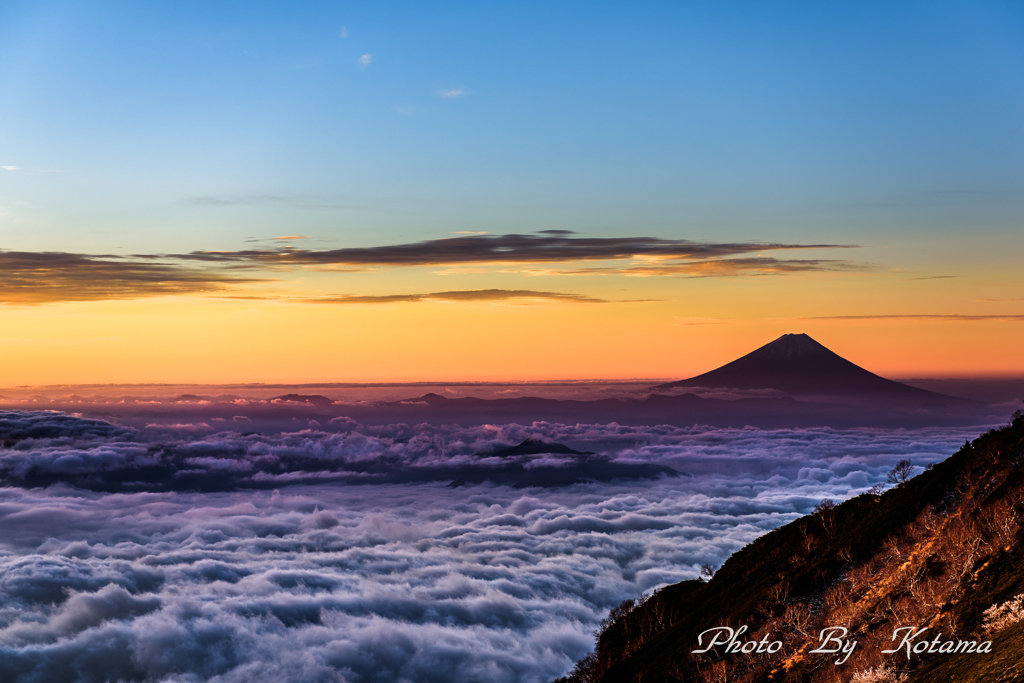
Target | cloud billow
(226,461)
(383,581)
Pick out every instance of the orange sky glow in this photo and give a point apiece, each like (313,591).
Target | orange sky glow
(207,340)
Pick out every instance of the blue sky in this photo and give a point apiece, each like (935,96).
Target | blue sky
(197,125)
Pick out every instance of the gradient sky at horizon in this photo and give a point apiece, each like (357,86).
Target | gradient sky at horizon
(852,171)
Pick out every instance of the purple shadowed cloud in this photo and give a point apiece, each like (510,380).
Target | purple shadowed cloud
(380,581)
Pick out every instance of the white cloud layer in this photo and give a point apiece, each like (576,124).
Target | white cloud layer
(383,582)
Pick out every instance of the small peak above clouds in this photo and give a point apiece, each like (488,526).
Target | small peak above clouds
(538,447)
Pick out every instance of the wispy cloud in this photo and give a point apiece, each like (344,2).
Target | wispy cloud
(453,93)
(290,237)
(32,171)
(365,61)
(721,267)
(238,199)
(952,317)
(343,32)
(470,295)
(932,277)
(462,295)
(264,199)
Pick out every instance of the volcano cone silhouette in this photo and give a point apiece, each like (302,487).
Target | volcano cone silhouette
(797,365)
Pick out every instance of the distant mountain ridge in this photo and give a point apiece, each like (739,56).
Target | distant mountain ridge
(313,399)
(792,382)
(797,365)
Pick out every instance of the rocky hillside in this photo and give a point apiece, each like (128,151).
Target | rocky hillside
(941,551)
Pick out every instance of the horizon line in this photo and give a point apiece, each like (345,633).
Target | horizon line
(463,382)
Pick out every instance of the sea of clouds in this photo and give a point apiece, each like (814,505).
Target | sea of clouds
(269,577)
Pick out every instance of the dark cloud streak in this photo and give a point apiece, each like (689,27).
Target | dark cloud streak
(457,295)
(30,278)
(512,248)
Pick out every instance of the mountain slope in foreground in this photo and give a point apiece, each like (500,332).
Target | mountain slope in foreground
(797,365)
(942,551)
